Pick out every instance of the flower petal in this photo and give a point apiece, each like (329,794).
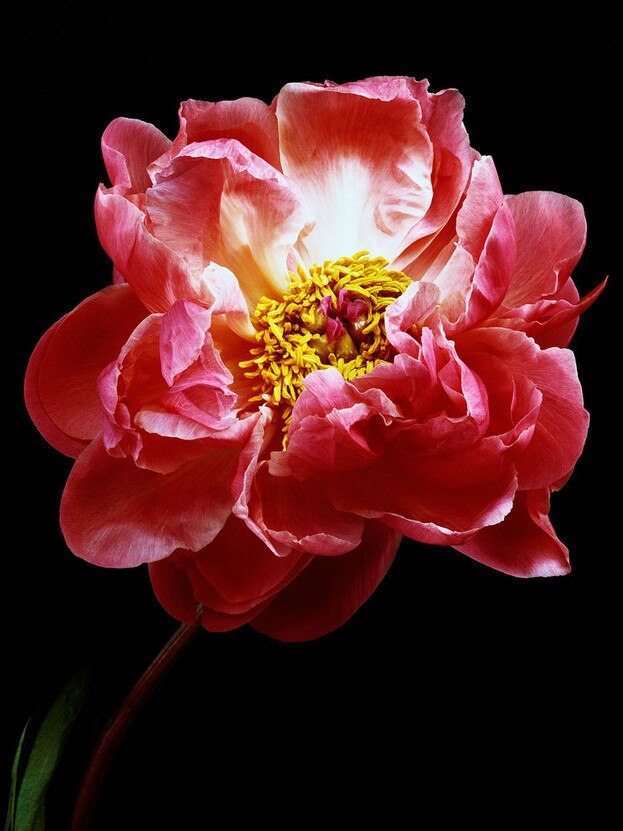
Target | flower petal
(476,277)
(129,146)
(562,423)
(218,202)
(61,379)
(330,589)
(288,514)
(237,572)
(158,276)
(174,589)
(248,120)
(550,234)
(363,160)
(118,515)
(525,543)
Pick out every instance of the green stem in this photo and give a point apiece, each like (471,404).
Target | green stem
(116,730)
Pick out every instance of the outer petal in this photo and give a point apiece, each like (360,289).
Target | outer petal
(542,299)
(157,275)
(562,423)
(172,586)
(551,234)
(363,160)
(219,202)
(550,322)
(174,589)
(118,515)
(330,589)
(233,578)
(129,146)
(61,380)
(524,544)
(237,571)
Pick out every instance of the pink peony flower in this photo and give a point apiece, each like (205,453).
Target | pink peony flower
(328,328)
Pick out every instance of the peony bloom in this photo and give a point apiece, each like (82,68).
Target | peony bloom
(328,328)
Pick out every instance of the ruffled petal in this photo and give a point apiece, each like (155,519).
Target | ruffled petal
(173,587)
(219,202)
(551,234)
(292,515)
(241,571)
(562,424)
(128,147)
(61,380)
(118,515)
(158,275)
(525,543)
(330,590)
(417,428)
(363,160)
(233,577)
(247,120)
(477,274)
(542,300)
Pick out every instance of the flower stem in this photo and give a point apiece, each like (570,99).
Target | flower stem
(117,728)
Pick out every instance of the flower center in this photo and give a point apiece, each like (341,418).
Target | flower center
(332,316)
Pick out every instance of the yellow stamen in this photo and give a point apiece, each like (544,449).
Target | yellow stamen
(291,332)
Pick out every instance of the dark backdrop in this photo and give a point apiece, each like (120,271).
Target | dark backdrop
(449,663)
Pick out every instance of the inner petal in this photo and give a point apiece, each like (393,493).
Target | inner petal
(364,165)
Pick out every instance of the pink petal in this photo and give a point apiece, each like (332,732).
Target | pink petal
(551,322)
(167,396)
(330,589)
(443,115)
(476,276)
(363,161)
(61,380)
(247,120)
(524,544)
(118,515)
(158,276)
(550,234)
(418,305)
(439,500)
(288,514)
(219,202)
(334,427)
(562,424)
(542,299)
(129,146)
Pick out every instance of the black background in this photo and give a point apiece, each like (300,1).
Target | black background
(450,670)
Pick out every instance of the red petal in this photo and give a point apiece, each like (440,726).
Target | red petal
(562,422)
(128,147)
(241,570)
(157,275)
(248,120)
(118,515)
(61,380)
(524,544)
(290,514)
(330,589)
(173,588)
(550,234)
